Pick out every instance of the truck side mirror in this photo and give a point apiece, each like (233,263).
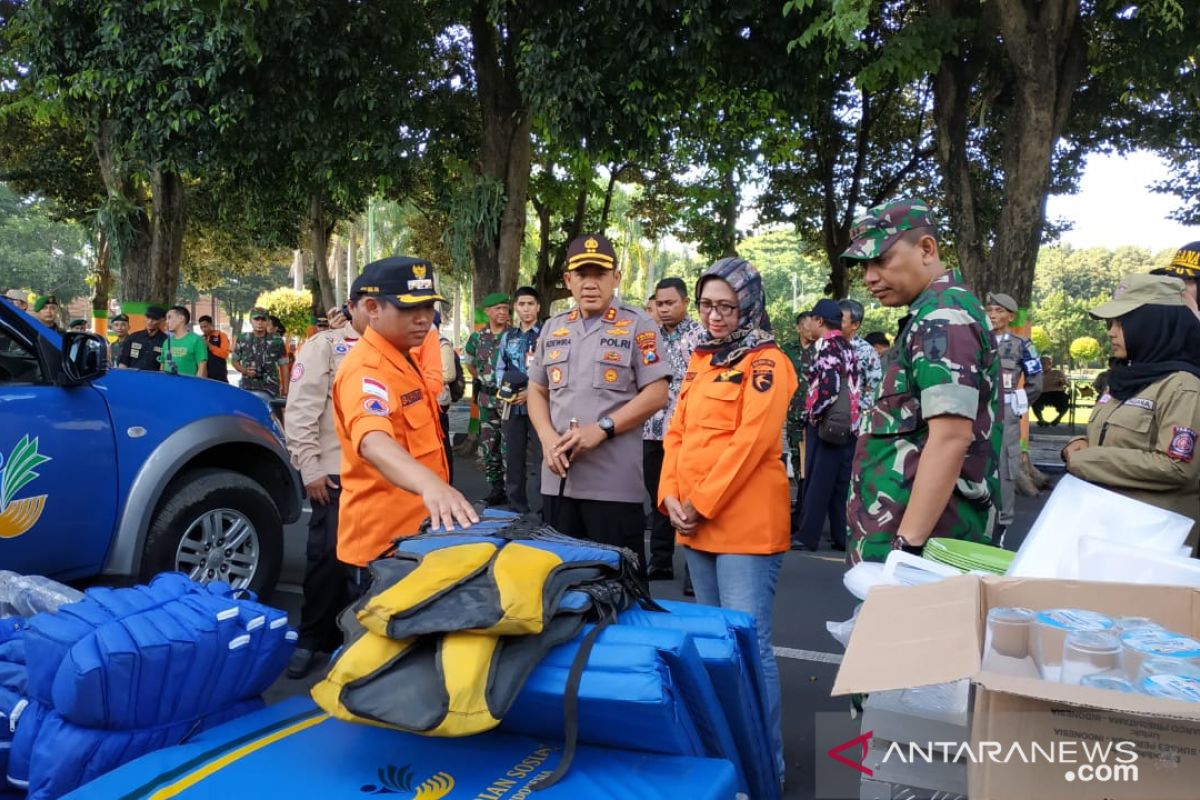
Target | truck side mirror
(85,356)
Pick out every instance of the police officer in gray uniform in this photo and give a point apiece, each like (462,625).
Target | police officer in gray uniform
(1018,357)
(596,376)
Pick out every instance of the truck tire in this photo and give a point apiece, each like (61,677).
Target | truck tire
(216,524)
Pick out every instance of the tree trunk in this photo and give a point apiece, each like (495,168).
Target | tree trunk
(319,230)
(505,151)
(336,272)
(1044,47)
(102,283)
(125,199)
(351,258)
(166,234)
(729,205)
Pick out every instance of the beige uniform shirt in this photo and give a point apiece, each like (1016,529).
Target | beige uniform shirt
(591,372)
(311,437)
(1145,447)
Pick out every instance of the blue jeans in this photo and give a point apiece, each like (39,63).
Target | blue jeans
(745,583)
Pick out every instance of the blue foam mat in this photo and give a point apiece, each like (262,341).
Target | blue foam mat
(292,749)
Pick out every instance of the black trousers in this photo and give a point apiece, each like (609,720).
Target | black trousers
(826,490)
(662,535)
(324,579)
(604,521)
(522,455)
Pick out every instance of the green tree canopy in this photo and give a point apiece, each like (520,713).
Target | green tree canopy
(38,252)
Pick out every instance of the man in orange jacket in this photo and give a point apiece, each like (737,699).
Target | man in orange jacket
(394,470)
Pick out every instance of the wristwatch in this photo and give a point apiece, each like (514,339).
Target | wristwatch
(900,543)
(608,426)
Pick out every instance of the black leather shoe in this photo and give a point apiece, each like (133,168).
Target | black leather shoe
(301,663)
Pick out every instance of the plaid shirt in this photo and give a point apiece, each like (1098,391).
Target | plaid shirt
(678,346)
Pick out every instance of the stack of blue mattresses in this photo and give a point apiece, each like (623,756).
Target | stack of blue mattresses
(293,749)
(127,671)
(686,682)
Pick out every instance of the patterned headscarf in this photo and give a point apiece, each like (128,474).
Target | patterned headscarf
(752,330)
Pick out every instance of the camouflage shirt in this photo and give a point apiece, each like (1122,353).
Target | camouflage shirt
(943,363)
(800,357)
(482,350)
(265,354)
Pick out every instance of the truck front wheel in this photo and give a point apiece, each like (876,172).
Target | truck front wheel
(216,524)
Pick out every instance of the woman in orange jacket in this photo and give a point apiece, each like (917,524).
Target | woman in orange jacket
(724,484)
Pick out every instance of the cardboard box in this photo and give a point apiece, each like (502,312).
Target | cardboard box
(1031,739)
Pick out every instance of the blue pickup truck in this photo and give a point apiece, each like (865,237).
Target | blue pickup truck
(121,474)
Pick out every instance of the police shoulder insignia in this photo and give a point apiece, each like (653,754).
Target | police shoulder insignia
(409,398)
(377,407)
(574,315)
(610,315)
(1183,444)
(297,372)
(649,357)
(555,375)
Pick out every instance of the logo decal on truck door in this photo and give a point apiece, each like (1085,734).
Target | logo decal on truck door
(19,514)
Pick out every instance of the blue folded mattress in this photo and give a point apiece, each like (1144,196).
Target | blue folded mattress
(728,647)
(293,749)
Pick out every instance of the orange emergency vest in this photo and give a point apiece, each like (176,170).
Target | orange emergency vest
(378,388)
(723,451)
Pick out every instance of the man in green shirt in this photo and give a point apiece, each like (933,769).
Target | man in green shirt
(184,353)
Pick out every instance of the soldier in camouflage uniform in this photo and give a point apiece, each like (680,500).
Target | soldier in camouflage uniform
(259,354)
(480,356)
(1018,357)
(937,414)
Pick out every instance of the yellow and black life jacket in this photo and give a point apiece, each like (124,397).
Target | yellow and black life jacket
(454,623)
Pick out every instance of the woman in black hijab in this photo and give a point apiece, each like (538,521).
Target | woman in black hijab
(1141,438)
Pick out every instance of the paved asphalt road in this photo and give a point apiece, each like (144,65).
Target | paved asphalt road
(810,593)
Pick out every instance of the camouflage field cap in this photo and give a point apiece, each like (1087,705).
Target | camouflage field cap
(882,225)
(259,313)
(1184,264)
(1135,291)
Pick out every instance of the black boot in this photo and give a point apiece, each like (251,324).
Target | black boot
(498,497)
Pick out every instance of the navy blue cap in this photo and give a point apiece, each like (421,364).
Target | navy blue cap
(827,309)
(402,280)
